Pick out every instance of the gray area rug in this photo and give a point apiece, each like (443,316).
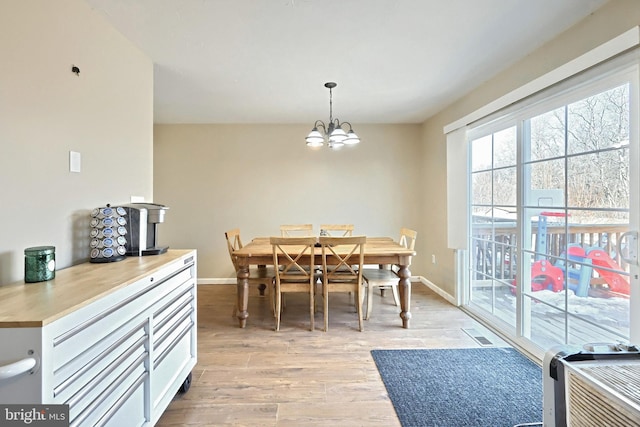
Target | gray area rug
(476,387)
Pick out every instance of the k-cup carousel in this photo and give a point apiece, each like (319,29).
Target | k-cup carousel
(108,234)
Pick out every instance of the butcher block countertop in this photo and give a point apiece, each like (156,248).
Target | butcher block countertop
(26,305)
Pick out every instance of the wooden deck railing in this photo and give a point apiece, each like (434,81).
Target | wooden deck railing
(495,244)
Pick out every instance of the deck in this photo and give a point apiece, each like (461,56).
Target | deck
(599,317)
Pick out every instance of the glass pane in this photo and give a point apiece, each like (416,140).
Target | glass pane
(504,148)
(504,187)
(551,234)
(547,323)
(481,188)
(481,251)
(481,152)
(600,121)
(493,247)
(547,135)
(597,228)
(599,180)
(581,274)
(481,215)
(496,297)
(546,175)
(590,327)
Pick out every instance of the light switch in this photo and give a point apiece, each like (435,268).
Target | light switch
(75,161)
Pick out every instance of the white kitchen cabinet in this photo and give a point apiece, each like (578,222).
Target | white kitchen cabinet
(115,341)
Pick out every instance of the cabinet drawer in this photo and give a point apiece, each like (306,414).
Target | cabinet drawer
(172,320)
(107,390)
(81,372)
(101,320)
(172,367)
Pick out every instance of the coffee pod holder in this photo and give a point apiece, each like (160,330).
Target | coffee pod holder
(108,234)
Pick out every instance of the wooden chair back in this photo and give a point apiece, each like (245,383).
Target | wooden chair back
(294,263)
(342,260)
(342,257)
(338,230)
(296,230)
(233,244)
(289,263)
(408,238)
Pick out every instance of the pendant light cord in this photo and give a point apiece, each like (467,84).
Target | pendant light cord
(330,105)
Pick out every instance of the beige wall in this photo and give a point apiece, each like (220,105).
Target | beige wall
(613,19)
(105,113)
(256,177)
(216,177)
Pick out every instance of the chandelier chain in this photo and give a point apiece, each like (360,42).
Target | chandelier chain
(330,105)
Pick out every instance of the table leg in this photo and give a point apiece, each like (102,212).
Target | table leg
(404,291)
(242,292)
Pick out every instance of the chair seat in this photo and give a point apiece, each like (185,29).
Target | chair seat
(379,274)
(385,278)
(381,278)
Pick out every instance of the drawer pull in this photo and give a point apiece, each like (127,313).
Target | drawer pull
(188,328)
(157,341)
(97,380)
(123,399)
(72,332)
(17,368)
(109,390)
(173,300)
(90,365)
(171,316)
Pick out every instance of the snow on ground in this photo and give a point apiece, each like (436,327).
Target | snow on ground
(612,312)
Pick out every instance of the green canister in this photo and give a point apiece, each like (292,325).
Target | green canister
(39,264)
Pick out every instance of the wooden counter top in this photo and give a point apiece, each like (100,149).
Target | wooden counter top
(24,305)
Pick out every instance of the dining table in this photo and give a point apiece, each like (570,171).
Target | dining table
(377,250)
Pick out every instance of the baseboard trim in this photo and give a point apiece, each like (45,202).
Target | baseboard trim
(428,283)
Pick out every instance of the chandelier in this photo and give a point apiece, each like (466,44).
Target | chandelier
(332,133)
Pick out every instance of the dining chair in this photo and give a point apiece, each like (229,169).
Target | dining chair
(261,275)
(296,230)
(342,260)
(295,271)
(387,277)
(336,229)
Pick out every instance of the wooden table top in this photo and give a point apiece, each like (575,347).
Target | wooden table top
(37,304)
(375,246)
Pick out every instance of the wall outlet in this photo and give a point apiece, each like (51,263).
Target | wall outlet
(433,259)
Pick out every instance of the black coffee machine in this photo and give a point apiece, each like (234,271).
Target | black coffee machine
(143,220)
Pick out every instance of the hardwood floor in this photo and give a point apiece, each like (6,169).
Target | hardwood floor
(296,377)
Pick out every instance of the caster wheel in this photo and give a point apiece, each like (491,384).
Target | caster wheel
(186,385)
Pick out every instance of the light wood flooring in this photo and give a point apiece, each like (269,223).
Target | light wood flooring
(295,377)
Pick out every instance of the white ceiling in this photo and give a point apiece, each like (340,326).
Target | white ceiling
(266,61)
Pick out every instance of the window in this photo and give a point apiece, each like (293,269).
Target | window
(551,195)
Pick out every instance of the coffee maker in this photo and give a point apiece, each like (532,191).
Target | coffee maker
(143,220)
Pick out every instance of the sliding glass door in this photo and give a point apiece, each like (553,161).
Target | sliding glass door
(493,224)
(554,192)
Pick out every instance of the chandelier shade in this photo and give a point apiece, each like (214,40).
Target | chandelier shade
(332,133)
